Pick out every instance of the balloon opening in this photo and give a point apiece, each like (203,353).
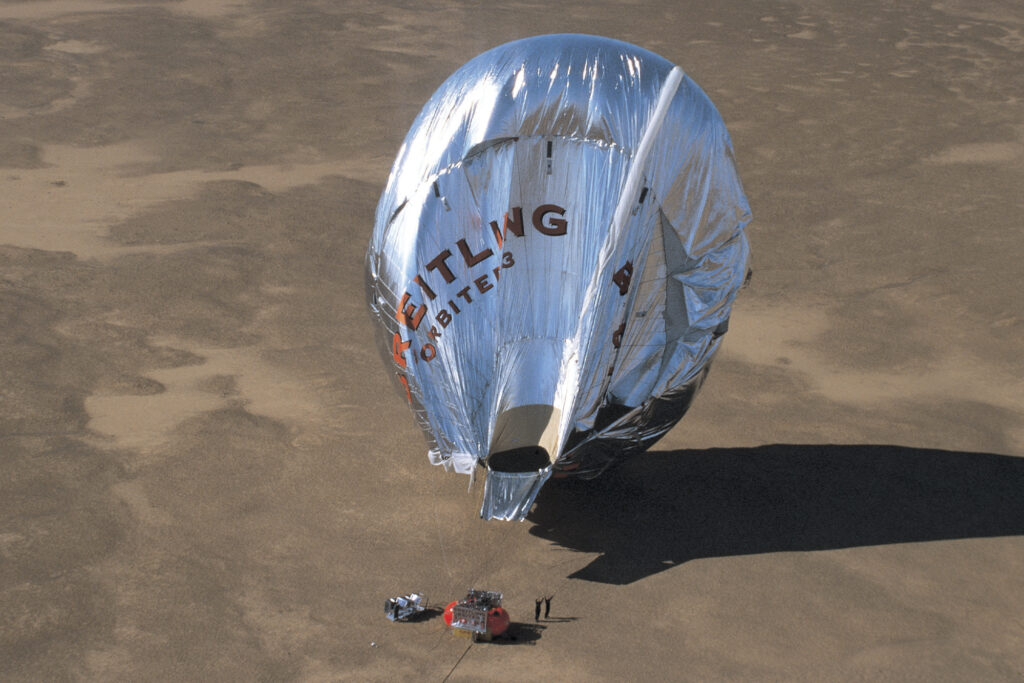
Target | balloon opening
(523,459)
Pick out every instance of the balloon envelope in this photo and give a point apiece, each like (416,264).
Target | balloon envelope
(554,260)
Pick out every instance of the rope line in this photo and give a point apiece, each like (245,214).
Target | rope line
(458,662)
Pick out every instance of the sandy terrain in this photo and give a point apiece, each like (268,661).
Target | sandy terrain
(204,474)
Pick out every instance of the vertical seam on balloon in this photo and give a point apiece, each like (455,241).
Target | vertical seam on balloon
(635,174)
(668,91)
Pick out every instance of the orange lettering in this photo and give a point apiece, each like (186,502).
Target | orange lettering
(516,224)
(398,347)
(408,314)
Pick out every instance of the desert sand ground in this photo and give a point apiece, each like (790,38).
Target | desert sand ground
(205,474)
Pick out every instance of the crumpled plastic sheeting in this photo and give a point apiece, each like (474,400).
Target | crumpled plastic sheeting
(563,227)
(508,496)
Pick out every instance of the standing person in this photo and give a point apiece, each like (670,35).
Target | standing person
(536,611)
(547,606)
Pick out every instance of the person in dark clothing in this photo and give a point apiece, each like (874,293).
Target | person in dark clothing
(536,611)
(547,606)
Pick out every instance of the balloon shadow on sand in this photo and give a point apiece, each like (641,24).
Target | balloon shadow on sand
(661,509)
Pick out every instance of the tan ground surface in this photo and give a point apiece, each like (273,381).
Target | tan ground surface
(204,475)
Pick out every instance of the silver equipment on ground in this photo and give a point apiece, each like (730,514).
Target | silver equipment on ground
(404,606)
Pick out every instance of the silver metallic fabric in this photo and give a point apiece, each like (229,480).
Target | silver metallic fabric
(509,495)
(554,260)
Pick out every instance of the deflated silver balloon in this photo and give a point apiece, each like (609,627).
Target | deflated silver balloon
(555,258)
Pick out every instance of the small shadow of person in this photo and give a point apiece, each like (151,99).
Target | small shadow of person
(536,611)
(547,607)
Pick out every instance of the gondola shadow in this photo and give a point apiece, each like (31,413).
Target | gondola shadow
(661,509)
(426,615)
(520,633)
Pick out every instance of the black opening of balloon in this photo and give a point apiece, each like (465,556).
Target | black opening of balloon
(524,459)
